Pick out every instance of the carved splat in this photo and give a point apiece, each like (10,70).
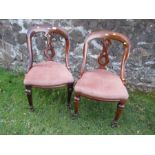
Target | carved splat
(103,90)
(107,36)
(104,54)
(49,48)
(49,34)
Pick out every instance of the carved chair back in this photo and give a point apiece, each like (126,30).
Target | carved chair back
(107,37)
(49,34)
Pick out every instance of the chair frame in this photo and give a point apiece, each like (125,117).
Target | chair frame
(106,37)
(49,31)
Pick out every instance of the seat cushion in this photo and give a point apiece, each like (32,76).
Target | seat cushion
(48,74)
(102,85)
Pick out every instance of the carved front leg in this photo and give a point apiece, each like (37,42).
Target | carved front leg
(76,104)
(118,112)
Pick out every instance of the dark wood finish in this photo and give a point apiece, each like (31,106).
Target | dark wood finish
(118,112)
(76,103)
(107,37)
(69,94)
(49,48)
(28,90)
(104,54)
(49,32)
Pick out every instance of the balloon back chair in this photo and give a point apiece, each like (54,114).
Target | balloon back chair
(48,74)
(100,84)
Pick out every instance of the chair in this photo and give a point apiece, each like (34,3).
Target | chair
(48,74)
(100,84)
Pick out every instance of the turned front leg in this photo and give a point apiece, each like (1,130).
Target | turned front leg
(76,104)
(118,113)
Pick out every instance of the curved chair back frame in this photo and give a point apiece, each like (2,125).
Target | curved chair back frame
(106,37)
(49,31)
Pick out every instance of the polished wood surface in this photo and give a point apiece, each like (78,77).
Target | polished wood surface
(70,90)
(48,30)
(28,90)
(49,33)
(107,37)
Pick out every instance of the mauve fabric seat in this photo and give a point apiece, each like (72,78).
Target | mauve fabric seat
(101,84)
(48,74)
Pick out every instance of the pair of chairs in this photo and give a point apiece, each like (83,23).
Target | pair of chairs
(99,84)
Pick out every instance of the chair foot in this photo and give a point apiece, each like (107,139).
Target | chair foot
(74,115)
(69,94)
(120,107)
(31,109)
(68,107)
(28,90)
(114,124)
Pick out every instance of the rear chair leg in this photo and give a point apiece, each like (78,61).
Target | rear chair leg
(28,90)
(69,93)
(76,104)
(118,112)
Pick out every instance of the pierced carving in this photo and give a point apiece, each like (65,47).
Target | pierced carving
(49,48)
(104,54)
(107,36)
(49,34)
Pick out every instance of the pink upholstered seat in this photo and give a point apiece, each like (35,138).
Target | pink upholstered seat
(48,74)
(101,84)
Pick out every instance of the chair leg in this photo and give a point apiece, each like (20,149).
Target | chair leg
(28,90)
(69,94)
(76,104)
(118,112)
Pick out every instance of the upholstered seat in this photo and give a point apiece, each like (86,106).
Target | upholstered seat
(48,74)
(102,85)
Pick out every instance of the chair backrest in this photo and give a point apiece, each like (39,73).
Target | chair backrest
(49,31)
(106,37)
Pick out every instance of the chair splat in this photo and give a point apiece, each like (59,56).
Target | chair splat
(104,54)
(49,48)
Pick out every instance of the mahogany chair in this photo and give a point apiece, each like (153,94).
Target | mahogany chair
(100,84)
(48,74)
